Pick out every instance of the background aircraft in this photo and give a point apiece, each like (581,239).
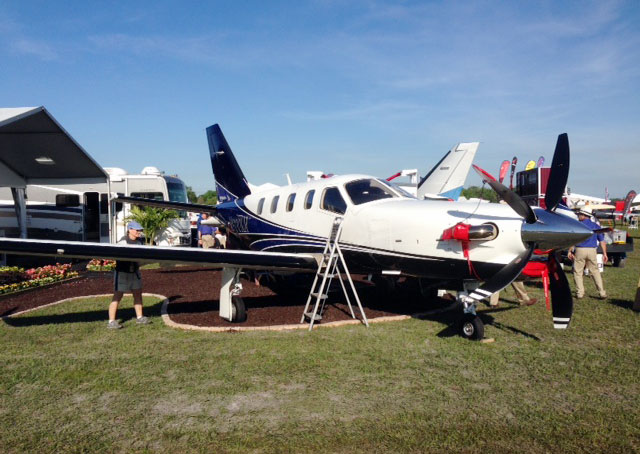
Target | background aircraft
(446,179)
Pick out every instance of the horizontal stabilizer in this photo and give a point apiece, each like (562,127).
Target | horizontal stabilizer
(169,205)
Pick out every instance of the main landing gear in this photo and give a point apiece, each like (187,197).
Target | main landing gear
(231,304)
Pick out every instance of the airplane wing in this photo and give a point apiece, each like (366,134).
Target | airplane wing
(448,176)
(200,208)
(223,258)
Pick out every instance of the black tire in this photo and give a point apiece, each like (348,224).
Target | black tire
(618,261)
(238,311)
(472,327)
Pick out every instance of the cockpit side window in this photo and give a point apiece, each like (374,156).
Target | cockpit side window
(332,201)
(367,190)
(260,205)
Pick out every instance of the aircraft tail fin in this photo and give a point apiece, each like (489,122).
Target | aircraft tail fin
(448,176)
(231,183)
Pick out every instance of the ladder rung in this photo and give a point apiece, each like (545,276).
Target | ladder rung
(330,276)
(316,317)
(322,296)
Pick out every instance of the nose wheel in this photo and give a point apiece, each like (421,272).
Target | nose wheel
(471,327)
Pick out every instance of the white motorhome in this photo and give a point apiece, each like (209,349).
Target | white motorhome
(153,184)
(80,211)
(74,212)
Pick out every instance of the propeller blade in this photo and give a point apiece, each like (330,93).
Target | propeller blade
(561,299)
(559,173)
(503,277)
(513,200)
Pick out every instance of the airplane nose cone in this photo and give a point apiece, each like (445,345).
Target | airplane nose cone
(554,231)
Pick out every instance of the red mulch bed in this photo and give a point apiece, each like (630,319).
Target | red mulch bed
(193,293)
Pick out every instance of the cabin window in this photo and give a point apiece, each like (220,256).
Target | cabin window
(367,190)
(290,201)
(274,203)
(260,205)
(308,199)
(333,201)
(67,200)
(148,195)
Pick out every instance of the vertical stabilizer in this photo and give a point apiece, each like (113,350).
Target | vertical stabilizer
(448,176)
(231,183)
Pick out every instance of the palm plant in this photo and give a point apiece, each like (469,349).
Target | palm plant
(153,220)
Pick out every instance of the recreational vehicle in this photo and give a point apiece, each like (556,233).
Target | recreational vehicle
(153,184)
(80,212)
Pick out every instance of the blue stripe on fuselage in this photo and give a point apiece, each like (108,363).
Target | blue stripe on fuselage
(244,224)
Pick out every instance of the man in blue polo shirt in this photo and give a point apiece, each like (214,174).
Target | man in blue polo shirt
(584,254)
(206,233)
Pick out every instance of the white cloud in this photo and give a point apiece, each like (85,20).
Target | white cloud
(38,49)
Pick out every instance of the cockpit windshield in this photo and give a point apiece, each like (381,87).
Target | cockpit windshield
(368,190)
(398,188)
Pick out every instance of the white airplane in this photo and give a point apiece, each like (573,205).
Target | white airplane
(477,249)
(446,179)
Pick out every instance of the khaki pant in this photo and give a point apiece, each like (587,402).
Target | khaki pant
(208,241)
(587,256)
(521,294)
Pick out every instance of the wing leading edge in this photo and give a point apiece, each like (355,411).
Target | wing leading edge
(222,258)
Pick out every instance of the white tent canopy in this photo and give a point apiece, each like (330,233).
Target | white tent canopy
(35,149)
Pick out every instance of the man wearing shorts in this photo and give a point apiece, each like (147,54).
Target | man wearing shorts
(127,278)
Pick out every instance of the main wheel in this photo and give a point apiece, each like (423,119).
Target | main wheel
(238,311)
(472,327)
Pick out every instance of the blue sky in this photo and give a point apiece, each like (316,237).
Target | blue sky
(355,86)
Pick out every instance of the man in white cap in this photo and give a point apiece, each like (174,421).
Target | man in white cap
(584,254)
(127,278)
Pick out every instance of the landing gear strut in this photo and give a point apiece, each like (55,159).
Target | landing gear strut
(231,304)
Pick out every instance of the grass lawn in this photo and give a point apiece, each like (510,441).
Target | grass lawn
(67,384)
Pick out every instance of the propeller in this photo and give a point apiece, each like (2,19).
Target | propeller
(559,173)
(542,229)
(503,277)
(561,299)
(513,200)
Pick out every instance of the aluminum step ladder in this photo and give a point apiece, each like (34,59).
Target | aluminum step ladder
(332,265)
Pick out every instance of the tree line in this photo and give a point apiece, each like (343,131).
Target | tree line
(208,198)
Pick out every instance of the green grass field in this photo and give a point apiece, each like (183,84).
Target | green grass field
(67,384)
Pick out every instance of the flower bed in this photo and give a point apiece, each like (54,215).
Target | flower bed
(101,265)
(13,279)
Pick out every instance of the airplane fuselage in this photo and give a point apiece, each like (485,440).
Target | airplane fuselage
(383,229)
